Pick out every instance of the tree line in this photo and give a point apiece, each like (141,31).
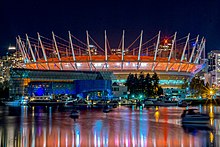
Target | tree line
(147,86)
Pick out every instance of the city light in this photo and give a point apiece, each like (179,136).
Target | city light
(211,92)
(11,48)
(165,41)
(141,96)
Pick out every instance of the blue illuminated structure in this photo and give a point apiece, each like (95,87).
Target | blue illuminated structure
(40,91)
(69,88)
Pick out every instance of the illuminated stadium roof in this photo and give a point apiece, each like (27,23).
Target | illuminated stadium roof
(161,54)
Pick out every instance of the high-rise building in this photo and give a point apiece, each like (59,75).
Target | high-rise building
(214,67)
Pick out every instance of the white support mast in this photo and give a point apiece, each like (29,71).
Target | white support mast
(122,49)
(157,45)
(139,50)
(19,46)
(198,51)
(73,53)
(55,43)
(57,51)
(193,50)
(106,52)
(184,49)
(156,48)
(171,50)
(35,48)
(25,51)
(204,54)
(42,47)
(29,44)
(88,47)
(32,53)
(22,48)
(183,54)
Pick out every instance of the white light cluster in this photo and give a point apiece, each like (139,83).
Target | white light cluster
(98,64)
(11,48)
(143,64)
(117,64)
(67,65)
(78,64)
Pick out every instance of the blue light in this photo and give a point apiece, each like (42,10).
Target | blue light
(40,91)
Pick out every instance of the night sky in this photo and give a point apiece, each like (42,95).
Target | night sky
(19,17)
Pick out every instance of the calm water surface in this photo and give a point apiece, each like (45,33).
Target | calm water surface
(124,126)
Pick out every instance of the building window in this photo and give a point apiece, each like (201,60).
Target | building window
(124,93)
(116,89)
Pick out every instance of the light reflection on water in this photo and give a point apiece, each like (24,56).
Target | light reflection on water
(124,126)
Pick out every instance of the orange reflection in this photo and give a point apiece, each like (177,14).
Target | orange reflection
(121,127)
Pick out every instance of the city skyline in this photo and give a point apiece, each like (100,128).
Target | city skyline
(196,17)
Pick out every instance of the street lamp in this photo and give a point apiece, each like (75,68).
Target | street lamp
(140,96)
(211,92)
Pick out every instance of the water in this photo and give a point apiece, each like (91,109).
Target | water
(124,126)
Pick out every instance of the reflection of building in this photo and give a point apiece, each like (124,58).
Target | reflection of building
(174,60)
(46,126)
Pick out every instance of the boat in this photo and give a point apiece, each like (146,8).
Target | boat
(16,102)
(139,103)
(101,103)
(44,101)
(148,103)
(13,103)
(165,103)
(106,109)
(74,114)
(114,103)
(194,118)
(183,103)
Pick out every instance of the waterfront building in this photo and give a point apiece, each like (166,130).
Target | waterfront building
(214,67)
(63,62)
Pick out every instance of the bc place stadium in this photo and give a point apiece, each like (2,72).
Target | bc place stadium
(69,65)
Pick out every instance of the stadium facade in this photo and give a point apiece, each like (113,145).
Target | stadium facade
(62,62)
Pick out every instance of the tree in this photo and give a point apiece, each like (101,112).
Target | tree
(160,90)
(4,89)
(155,83)
(198,87)
(141,83)
(148,85)
(129,82)
(185,84)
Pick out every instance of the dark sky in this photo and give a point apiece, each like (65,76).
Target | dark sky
(30,16)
